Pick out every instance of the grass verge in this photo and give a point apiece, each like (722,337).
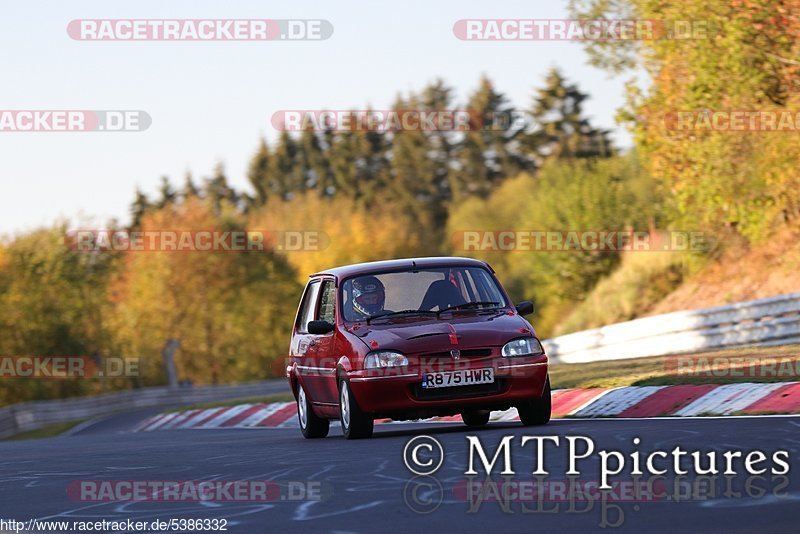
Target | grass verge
(48,431)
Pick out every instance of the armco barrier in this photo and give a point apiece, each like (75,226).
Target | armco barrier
(769,321)
(36,414)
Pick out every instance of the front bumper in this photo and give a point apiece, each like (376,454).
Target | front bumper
(398,392)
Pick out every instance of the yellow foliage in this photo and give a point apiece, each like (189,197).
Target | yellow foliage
(228,309)
(348,232)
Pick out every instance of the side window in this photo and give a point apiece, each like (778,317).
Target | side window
(327,303)
(306,312)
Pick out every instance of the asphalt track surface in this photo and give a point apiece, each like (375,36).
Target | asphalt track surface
(365,485)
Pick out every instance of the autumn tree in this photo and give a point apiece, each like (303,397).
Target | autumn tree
(53,303)
(488,151)
(741,56)
(258,173)
(560,128)
(227,308)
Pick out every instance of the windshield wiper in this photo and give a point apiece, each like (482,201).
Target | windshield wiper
(469,305)
(399,313)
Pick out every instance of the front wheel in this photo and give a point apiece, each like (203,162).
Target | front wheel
(474,418)
(536,411)
(311,425)
(355,423)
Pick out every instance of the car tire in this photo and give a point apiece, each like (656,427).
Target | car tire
(536,411)
(356,424)
(473,418)
(311,425)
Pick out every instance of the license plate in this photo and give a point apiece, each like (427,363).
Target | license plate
(464,377)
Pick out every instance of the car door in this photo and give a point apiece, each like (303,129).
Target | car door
(325,356)
(304,345)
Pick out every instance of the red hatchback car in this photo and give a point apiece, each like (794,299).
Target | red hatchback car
(410,339)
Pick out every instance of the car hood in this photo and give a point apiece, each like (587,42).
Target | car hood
(431,335)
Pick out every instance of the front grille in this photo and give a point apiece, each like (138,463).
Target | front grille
(466,353)
(457,392)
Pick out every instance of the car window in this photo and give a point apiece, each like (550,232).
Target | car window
(306,312)
(327,303)
(405,291)
(484,285)
(418,289)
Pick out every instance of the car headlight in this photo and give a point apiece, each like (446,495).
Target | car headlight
(527,346)
(384,358)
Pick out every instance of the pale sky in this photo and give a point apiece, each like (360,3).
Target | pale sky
(211,101)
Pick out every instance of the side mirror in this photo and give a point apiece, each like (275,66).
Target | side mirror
(319,327)
(525,307)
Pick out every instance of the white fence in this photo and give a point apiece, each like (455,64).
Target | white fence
(770,321)
(37,414)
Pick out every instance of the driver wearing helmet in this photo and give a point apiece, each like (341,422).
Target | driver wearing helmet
(368,296)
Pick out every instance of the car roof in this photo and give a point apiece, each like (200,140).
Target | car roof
(345,271)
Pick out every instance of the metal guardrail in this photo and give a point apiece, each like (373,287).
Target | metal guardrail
(769,321)
(32,415)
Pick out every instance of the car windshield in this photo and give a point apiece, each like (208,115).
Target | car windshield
(419,291)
